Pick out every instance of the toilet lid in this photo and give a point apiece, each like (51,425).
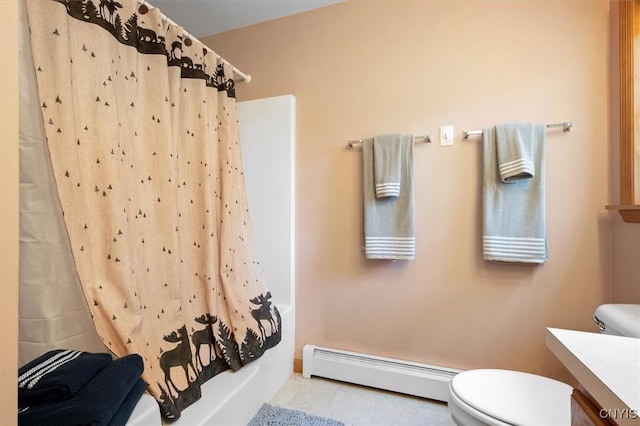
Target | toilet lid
(515,397)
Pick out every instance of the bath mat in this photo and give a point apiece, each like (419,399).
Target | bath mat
(272,415)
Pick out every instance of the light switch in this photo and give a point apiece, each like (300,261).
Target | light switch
(446,135)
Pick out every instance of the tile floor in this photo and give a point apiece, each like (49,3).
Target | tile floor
(358,405)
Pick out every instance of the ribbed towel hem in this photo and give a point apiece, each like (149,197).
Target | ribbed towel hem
(514,148)
(513,171)
(390,247)
(509,249)
(387,190)
(30,378)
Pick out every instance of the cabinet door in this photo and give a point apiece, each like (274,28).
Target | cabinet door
(584,412)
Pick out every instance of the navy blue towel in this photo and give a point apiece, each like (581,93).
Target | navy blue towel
(126,408)
(110,395)
(58,375)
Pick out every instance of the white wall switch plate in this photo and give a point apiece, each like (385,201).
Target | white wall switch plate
(446,135)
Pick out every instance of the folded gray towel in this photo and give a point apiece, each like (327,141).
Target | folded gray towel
(389,223)
(514,227)
(386,165)
(515,151)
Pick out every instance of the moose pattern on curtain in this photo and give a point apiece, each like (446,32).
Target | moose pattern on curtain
(142,130)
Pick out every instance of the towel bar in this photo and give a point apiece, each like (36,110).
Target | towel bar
(352,142)
(566,127)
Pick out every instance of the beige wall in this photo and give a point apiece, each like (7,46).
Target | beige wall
(361,68)
(8,210)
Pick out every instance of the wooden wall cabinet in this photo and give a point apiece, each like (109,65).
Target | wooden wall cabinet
(629,25)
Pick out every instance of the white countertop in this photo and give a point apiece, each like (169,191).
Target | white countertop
(607,366)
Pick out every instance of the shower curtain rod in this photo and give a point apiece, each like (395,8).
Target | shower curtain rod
(566,127)
(245,77)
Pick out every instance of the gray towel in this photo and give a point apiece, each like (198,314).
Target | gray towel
(515,151)
(386,165)
(389,223)
(514,228)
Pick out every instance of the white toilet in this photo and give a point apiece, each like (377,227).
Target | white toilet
(505,397)
(618,319)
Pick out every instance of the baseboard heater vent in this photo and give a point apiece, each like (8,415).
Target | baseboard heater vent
(395,375)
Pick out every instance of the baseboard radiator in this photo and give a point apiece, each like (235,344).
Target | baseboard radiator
(395,375)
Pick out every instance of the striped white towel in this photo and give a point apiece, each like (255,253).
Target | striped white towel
(389,222)
(515,151)
(514,226)
(387,165)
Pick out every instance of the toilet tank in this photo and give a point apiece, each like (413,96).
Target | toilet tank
(618,319)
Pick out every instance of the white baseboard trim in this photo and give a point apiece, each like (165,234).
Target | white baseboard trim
(423,380)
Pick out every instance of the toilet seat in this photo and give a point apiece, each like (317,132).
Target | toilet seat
(465,415)
(504,397)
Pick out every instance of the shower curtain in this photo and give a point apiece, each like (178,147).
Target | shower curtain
(142,132)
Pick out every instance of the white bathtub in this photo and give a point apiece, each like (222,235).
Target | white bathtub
(232,398)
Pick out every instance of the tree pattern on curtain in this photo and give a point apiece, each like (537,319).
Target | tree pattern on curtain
(142,129)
